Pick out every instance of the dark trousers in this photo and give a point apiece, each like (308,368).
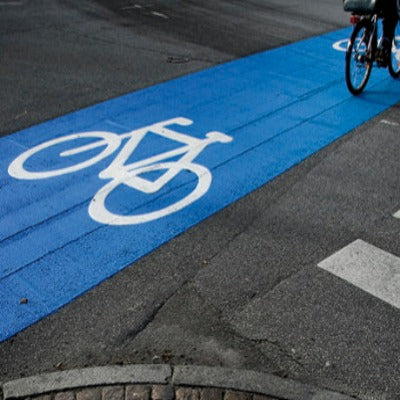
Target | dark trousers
(390,18)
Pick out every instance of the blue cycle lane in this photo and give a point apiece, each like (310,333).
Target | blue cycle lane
(61,233)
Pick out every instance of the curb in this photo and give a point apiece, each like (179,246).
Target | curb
(194,376)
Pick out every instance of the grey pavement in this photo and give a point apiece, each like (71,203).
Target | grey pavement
(243,289)
(59,56)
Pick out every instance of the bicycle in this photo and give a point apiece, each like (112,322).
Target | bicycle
(362,49)
(120,172)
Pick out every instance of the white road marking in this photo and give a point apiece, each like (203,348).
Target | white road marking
(397,215)
(391,123)
(160,15)
(369,268)
(341,45)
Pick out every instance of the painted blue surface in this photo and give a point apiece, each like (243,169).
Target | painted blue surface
(279,107)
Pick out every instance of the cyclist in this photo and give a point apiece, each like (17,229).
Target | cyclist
(390,19)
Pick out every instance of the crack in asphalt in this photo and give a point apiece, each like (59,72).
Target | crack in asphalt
(148,319)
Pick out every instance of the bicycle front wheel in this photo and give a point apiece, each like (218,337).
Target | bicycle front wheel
(359,58)
(394,60)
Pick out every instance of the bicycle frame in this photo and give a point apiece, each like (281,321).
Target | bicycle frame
(362,52)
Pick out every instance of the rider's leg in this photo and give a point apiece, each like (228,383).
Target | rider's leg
(390,18)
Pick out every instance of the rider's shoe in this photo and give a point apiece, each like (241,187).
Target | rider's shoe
(383,52)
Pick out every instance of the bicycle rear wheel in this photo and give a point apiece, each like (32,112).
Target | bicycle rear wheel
(394,60)
(359,58)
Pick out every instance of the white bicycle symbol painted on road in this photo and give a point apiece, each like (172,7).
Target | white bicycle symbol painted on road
(341,45)
(122,173)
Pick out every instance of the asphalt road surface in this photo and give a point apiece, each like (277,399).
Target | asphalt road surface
(242,289)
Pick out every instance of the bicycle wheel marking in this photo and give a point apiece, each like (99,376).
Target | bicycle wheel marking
(99,212)
(111,192)
(17,169)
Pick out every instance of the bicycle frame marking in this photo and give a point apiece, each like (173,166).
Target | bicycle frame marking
(119,172)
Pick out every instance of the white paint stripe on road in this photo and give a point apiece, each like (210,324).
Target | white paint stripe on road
(397,215)
(391,123)
(369,268)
